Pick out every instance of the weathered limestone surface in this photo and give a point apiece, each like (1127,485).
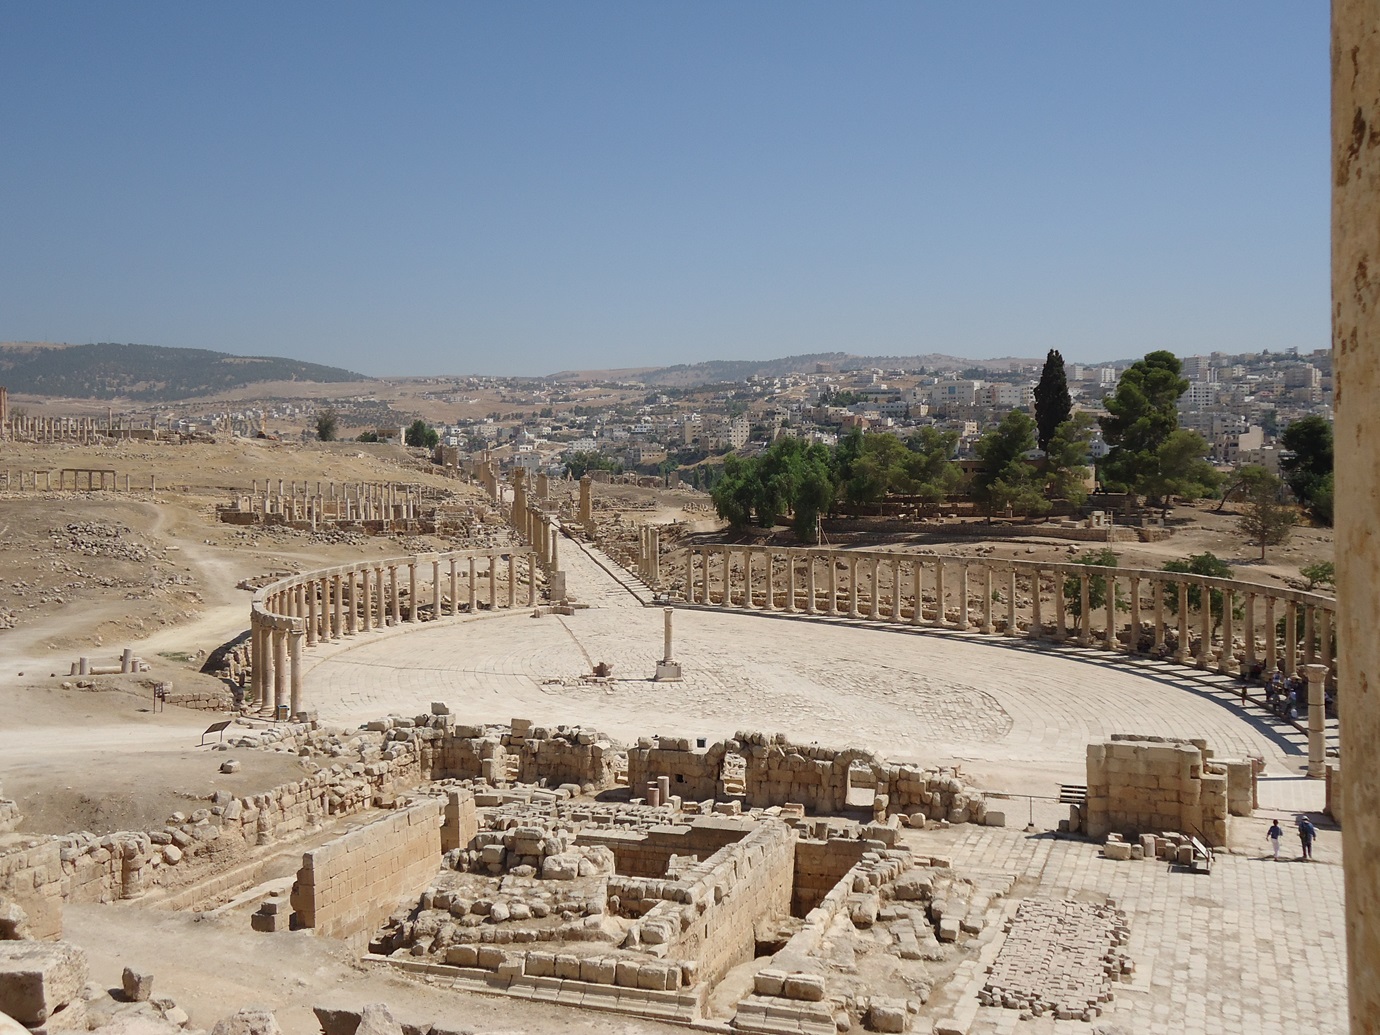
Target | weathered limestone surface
(1356,362)
(39,978)
(350,884)
(1146,785)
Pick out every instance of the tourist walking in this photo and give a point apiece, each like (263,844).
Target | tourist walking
(1274,834)
(1306,834)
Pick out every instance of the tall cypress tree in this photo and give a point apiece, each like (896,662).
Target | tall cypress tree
(1052,403)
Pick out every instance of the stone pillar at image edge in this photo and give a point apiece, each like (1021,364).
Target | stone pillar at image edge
(1356,363)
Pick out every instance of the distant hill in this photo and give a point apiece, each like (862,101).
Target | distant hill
(146,372)
(722,370)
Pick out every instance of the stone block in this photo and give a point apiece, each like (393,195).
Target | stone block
(806,987)
(769,982)
(1117,850)
(887,1015)
(39,978)
(137,986)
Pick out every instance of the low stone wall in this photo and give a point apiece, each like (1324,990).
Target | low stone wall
(350,884)
(1145,785)
(31,879)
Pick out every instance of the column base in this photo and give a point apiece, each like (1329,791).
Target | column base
(667,672)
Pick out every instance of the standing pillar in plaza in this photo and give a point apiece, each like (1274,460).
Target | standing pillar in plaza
(295,660)
(656,558)
(368,602)
(311,614)
(917,590)
(811,606)
(667,669)
(853,586)
(394,606)
(1356,367)
(435,589)
(1157,595)
(256,661)
(789,573)
(512,580)
(987,598)
(962,594)
(472,581)
(769,564)
(587,503)
(493,582)
(1061,608)
(454,596)
(1084,610)
(833,608)
(412,609)
(543,485)
(1037,618)
(1205,625)
(338,605)
(531,580)
(747,577)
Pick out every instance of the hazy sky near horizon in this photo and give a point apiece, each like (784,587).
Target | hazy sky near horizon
(520,188)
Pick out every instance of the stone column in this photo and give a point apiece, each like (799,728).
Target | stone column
(875,588)
(1291,638)
(295,643)
(656,558)
(747,577)
(833,583)
(1325,638)
(435,589)
(280,670)
(853,586)
(351,604)
(259,659)
(1226,662)
(1061,608)
(395,606)
(789,558)
(1133,640)
(1084,610)
(1317,721)
(1205,624)
(917,590)
(493,582)
(1248,629)
(1011,603)
(512,581)
(987,616)
(1037,618)
(311,614)
(531,579)
(962,594)
(1271,638)
(939,596)
(412,609)
(1109,640)
(667,656)
(1184,652)
(895,589)
(473,580)
(338,624)
(368,600)
(811,605)
(587,503)
(454,591)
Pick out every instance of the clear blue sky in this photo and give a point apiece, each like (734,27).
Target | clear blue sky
(520,188)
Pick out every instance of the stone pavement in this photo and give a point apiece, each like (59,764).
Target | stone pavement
(1255,946)
(1015,713)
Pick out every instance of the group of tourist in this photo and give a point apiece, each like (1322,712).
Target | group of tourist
(1307,832)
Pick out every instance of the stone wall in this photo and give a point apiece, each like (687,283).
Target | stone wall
(709,914)
(31,881)
(350,884)
(1146,785)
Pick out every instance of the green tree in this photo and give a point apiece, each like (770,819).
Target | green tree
(1053,406)
(1324,573)
(1309,470)
(791,477)
(1006,480)
(1066,459)
(1265,520)
(1097,584)
(1142,417)
(1206,563)
(933,474)
(581,462)
(1177,468)
(421,435)
(736,492)
(327,424)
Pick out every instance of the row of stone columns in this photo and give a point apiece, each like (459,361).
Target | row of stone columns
(793,577)
(327,606)
(95,478)
(82,430)
(649,555)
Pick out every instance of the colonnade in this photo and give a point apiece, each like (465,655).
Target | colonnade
(1236,625)
(327,605)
